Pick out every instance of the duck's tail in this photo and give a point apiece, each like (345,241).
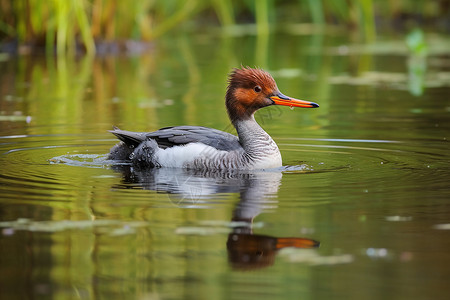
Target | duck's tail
(134,147)
(128,137)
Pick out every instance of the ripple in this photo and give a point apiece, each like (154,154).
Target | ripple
(83,160)
(61,166)
(113,227)
(29,172)
(303,168)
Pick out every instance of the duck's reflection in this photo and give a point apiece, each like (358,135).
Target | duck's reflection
(248,251)
(257,190)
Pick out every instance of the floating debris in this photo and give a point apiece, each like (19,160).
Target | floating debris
(124,230)
(442,226)
(398,218)
(199,230)
(15,118)
(10,227)
(377,252)
(231,224)
(210,227)
(311,257)
(397,81)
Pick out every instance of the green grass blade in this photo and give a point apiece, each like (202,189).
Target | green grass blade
(84,26)
(262,16)
(317,13)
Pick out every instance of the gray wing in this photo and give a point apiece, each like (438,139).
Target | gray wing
(181,135)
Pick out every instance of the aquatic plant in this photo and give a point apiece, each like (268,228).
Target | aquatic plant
(67,26)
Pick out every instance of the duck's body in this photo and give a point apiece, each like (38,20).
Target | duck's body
(199,148)
(196,147)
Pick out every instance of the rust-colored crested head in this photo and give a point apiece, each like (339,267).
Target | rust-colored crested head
(248,90)
(251,89)
(248,78)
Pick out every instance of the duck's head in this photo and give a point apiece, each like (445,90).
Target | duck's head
(251,89)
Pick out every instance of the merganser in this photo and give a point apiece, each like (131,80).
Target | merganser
(196,147)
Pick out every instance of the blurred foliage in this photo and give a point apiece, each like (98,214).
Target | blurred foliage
(65,26)
(182,80)
(416,43)
(417,65)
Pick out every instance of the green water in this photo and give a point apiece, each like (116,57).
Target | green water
(367,175)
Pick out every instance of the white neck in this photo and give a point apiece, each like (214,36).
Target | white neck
(258,145)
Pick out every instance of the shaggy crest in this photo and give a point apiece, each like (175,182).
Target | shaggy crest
(248,77)
(244,80)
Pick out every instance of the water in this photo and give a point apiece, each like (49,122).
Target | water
(366,175)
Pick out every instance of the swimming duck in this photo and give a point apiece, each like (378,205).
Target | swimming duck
(197,147)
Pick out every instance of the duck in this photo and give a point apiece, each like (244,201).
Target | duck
(203,148)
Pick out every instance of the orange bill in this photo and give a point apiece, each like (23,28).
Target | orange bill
(297,243)
(280,99)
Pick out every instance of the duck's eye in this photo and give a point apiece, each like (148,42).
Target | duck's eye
(257,89)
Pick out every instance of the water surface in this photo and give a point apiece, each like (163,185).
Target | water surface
(366,175)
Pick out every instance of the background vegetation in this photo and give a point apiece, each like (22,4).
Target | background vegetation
(68,26)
